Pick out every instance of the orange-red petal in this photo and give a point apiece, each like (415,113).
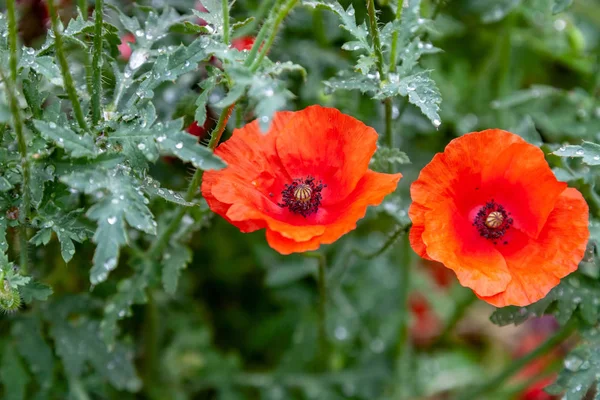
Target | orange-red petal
(329,146)
(537,265)
(453,241)
(522,182)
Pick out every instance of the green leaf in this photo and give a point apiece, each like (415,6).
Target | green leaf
(348,22)
(74,144)
(78,344)
(187,27)
(386,157)
(27,333)
(35,290)
(589,152)
(5,185)
(581,369)
(576,292)
(186,147)
(421,91)
(129,292)
(175,259)
(345,80)
(13,374)
(152,187)
(212,16)
(207,86)
(3,226)
(109,238)
(561,5)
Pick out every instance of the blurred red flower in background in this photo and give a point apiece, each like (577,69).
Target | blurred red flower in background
(243,43)
(124,47)
(490,208)
(306,181)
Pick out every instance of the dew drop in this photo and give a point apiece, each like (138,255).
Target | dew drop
(139,33)
(436,122)
(573,363)
(179,145)
(52,125)
(579,152)
(111,220)
(341,333)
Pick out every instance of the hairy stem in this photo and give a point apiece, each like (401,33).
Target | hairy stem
(225,21)
(162,240)
(514,367)
(11,86)
(64,68)
(96,67)
(283,12)
(262,34)
(374,30)
(394,50)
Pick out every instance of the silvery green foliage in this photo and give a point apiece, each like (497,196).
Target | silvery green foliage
(409,80)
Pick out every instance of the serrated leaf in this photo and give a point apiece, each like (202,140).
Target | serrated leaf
(109,238)
(79,343)
(240,24)
(386,157)
(3,243)
(588,152)
(5,185)
(213,15)
(13,374)
(189,28)
(175,259)
(344,80)
(64,137)
(186,147)
(581,370)
(207,86)
(574,293)
(31,344)
(35,290)
(561,5)
(421,91)
(130,291)
(152,187)
(348,21)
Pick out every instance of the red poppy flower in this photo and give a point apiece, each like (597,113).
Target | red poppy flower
(242,43)
(306,181)
(124,47)
(490,209)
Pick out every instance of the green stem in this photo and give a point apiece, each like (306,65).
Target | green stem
(283,12)
(225,4)
(64,68)
(151,328)
(12,39)
(83,7)
(96,67)
(391,240)
(322,283)
(388,137)
(261,35)
(394,50)
(374,30)
(514,367)
(162,240)
(11,86)
(263,8)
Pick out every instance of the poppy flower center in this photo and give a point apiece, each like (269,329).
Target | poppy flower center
(492,221)
(302,196)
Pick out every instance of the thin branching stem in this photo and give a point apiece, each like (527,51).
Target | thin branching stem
(11,86)
(388,243)
(374,30)
(498,380)
(96,64)
(64,68)
(283,12)
(225,21)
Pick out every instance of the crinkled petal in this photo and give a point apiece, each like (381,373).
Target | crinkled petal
(288,246)
(537,265)
(329,146)
(453,241)
(522,182)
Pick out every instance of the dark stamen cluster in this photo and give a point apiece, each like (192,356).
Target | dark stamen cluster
(492,221)
(302,196)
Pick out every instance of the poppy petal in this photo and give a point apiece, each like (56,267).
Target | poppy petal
(537,265)
(452,240)
(330,146)
(521,181)
(288,246)
(416,213)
